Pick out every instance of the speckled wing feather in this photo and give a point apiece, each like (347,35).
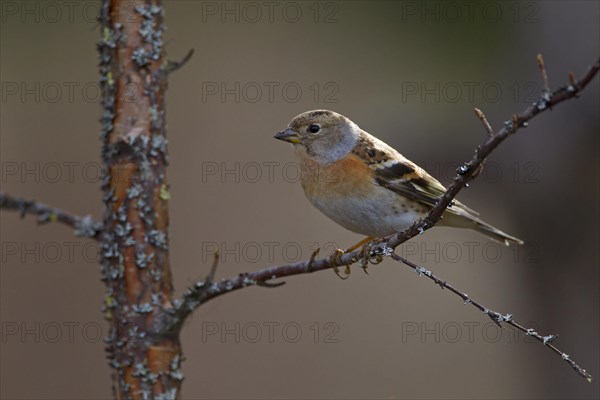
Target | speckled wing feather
(400,175)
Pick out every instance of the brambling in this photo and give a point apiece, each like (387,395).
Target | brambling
(365,185)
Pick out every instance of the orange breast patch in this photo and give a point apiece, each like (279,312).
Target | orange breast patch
(346,177)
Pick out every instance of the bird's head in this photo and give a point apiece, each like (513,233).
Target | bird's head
(325,136)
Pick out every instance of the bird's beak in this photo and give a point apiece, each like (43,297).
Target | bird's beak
(288,135)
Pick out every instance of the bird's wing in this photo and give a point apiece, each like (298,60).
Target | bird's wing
(400,175)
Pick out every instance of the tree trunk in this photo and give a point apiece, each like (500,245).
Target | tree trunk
(135,254)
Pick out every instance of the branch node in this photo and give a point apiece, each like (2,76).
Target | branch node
(46,217)
(510,127)
(462,170)
(495,316)
(549,338)
(84,226)
(531,332)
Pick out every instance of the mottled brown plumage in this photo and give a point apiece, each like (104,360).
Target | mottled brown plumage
(365,185)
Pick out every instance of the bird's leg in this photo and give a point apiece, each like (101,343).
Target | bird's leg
(366,251)
(357,245)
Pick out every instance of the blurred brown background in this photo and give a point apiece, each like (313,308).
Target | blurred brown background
(410,73)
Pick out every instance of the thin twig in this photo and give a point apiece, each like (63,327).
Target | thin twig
(84,226)
(572,80)
(495,316)
(488,129)
(210,278)
(172,66)
(484,121)
(312,258)
(542,66)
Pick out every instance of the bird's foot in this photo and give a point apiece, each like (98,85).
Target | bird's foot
(337,258)
(370,255)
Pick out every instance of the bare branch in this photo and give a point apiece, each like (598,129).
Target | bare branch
(84,226)
(384,246)
(173,319)
(496,316)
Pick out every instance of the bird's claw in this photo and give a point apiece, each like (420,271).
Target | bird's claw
(337,258)
(377,260)
(366,252)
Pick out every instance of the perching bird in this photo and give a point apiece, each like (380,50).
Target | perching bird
(365,185)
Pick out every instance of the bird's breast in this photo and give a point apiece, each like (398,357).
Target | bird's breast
(349,176)
(346,192)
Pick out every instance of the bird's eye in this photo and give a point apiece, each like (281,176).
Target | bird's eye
(314,128)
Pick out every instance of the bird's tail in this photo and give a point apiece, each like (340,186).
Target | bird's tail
(463,219)
(496,234)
